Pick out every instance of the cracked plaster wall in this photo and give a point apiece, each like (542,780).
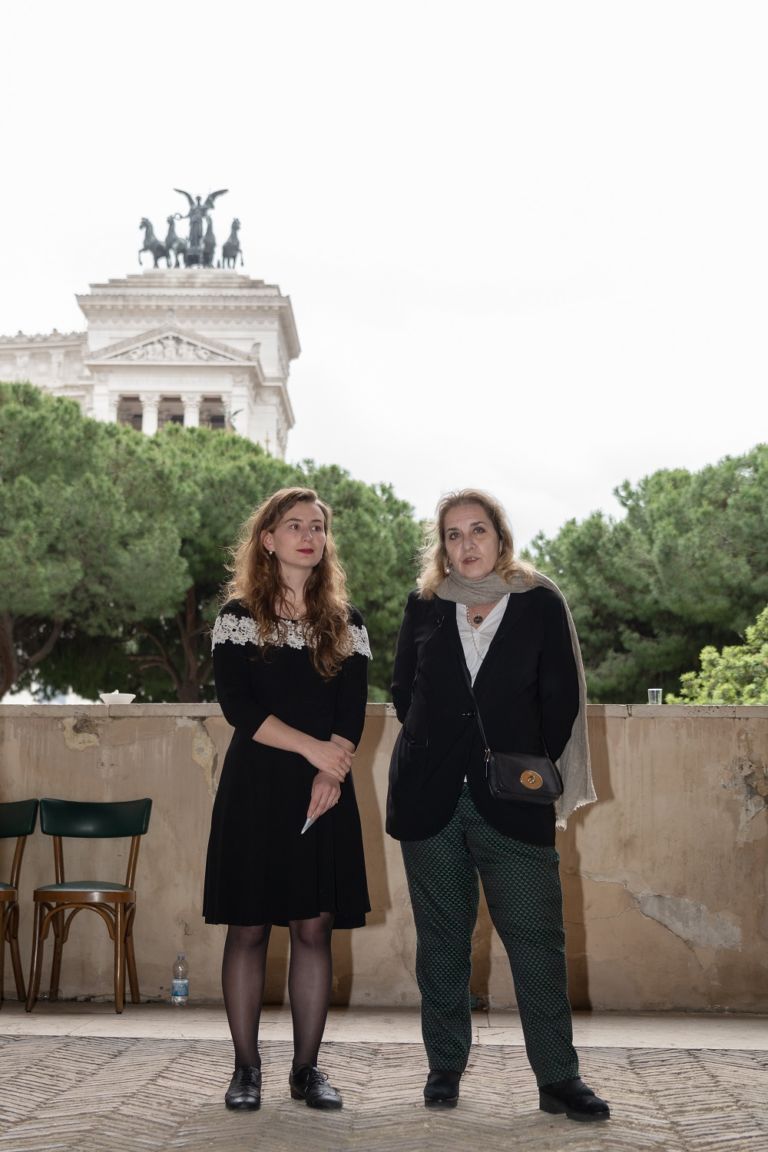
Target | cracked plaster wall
(663,880)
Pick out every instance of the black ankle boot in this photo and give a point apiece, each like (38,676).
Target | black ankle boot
(442,1089)
(575,1098)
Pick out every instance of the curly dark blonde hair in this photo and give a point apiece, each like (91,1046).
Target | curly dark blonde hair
(256,581)
(434,558)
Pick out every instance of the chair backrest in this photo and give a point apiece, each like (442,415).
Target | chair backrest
(84,818)
(102,820)
(17,818)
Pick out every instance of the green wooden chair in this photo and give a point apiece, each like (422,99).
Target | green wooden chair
(17,818)
(56,905)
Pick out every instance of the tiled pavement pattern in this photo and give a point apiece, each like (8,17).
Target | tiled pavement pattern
(110,1094)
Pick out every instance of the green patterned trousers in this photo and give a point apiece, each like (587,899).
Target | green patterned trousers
(522,887)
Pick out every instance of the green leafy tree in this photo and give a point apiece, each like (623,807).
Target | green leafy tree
(213,480)
(736,675)
(225,477)
(88,539)
(686,567)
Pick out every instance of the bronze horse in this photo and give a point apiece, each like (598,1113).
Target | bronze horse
(152,244)
(209,244)
(230,249)
(174,243)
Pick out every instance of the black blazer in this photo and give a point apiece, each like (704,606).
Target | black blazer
(528,696)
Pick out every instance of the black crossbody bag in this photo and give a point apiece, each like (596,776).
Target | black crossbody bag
(518,776)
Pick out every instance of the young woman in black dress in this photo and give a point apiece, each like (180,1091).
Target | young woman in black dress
(290,659)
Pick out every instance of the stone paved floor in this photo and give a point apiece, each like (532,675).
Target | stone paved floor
(78,1078)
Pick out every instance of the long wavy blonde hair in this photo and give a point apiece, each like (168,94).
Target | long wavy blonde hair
(256,581)
(434,558)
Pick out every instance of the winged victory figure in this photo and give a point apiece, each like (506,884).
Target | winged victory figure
(198,210)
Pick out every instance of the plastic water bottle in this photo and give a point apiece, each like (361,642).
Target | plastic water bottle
(180,981)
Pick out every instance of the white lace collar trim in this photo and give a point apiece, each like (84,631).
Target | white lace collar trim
(291,633)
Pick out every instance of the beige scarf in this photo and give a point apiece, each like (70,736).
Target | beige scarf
(574,763)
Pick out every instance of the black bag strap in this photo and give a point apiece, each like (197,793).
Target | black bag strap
(479,718)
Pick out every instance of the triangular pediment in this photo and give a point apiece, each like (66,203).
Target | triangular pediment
(170,346)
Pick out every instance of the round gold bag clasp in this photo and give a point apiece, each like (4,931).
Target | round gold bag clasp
(531,780)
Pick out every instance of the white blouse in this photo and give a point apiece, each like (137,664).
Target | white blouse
(477,641)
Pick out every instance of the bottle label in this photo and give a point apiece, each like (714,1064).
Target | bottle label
(180,988)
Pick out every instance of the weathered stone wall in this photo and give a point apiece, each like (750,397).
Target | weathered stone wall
(664,879)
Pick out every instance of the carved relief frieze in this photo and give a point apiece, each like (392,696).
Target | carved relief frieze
(172,348)
(164,347)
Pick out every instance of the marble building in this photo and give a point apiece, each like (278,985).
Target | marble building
(193,346)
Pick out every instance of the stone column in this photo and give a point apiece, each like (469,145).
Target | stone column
(150,403)
(22,367)
(191,402)
(100,399)
(238,404)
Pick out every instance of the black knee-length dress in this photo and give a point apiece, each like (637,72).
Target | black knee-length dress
(260,869)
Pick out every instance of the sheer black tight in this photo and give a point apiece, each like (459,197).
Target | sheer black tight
(243,972)
(309,986)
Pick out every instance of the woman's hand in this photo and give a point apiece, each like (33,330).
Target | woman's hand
(329,758)
(334,756)
(325,794)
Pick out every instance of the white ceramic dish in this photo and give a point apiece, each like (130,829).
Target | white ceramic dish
(116,697)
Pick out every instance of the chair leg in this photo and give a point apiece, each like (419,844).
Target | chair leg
(120,956)
(130,960)
(36,964)
(13,940)
(2,949)
(57,921)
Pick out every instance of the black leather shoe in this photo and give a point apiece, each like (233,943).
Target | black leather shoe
(442,1089)
(244,1089)
(575,1098)
(311,1085)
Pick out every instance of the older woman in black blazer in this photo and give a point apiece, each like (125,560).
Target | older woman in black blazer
(481,617)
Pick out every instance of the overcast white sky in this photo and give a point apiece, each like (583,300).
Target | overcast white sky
(525,242)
